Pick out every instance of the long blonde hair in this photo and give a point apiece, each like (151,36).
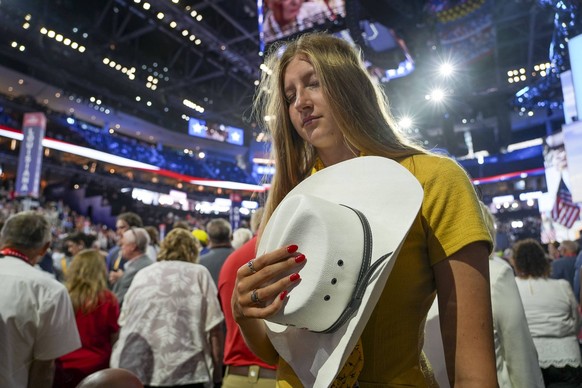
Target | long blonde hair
(358,105)
(87,280)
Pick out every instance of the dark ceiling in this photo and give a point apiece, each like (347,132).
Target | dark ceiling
(219,73)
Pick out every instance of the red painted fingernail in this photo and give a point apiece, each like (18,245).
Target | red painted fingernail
(294,277)
(300,258)
(292,248)
(283,295)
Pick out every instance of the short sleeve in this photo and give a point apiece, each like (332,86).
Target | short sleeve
(57,331)
(214,311)
(450,210)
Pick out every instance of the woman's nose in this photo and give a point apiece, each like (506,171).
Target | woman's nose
(302,100)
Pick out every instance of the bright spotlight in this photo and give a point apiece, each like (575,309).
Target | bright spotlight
(446,69)
(405,122)
(437,95)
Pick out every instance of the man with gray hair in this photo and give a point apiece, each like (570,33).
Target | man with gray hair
(114,259)
(134,244)
(220,246)
(37,321)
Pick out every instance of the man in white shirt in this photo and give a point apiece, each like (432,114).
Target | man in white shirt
(37,321)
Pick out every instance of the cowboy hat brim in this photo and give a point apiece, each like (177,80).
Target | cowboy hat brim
(390,198)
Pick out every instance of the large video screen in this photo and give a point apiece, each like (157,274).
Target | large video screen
(235,135)
(387,56)
(196,127)
(279,19)
(215,131)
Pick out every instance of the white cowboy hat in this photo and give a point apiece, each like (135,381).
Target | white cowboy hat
(349,220)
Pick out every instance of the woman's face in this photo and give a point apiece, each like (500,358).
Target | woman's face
(310,112)
(285,11)
(74,247)
(121,227)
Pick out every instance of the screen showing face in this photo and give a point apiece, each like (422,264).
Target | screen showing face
(282,18)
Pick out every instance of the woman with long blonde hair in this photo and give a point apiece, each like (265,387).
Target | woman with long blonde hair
(96,312)
(322,108)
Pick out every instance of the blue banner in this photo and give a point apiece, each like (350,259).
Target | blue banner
(30,159)
(236,201)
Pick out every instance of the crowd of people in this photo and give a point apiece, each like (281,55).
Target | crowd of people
(170,158)
(123,305)
(159,314)
(356,239)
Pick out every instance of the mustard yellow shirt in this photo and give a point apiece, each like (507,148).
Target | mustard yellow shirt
(449,219)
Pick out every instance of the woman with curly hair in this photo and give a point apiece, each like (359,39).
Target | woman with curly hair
(552,315)
(171,333)
(96,312)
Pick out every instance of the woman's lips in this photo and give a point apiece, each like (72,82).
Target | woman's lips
(308,120)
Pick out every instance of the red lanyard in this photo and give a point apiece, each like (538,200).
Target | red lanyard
(15,253)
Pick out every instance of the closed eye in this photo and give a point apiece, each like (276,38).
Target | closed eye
(313,84)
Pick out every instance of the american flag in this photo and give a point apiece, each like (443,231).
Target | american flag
(565,212)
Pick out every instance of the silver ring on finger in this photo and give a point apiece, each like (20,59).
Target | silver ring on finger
(251,266)
(255,298)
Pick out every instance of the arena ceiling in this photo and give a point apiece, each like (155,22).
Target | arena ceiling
(212,55)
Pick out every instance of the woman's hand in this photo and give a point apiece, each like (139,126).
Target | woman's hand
(259,292)
(262,283)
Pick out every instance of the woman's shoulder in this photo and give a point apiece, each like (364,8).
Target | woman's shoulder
(174,265)
(430,162)
(184,267)
(558,290)
(563,284)
(433,167)
(548,284)
(555,282)
(108,297)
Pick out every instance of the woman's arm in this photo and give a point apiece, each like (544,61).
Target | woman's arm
(269,282)
(255,335)
(217,347)
(462,282)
